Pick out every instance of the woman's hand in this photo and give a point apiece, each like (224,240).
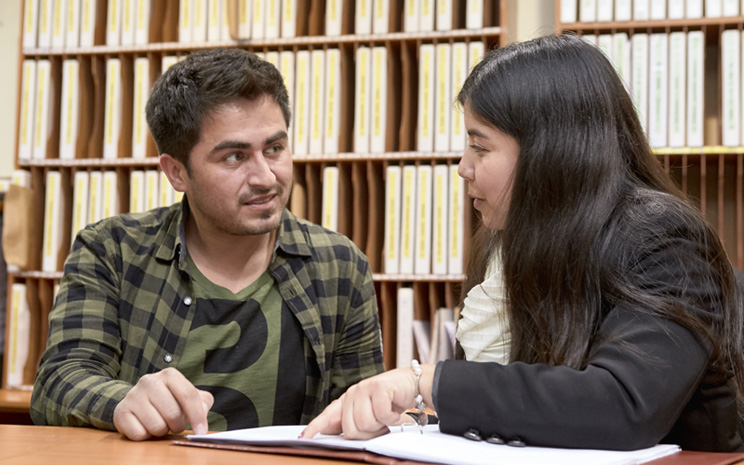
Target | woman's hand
(370,406)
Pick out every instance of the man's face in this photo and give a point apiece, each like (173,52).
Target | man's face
(240,170)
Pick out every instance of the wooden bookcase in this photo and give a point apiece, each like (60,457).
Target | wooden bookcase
(361,190)
(711,174)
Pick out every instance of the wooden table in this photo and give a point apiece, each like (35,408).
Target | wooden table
(34,445)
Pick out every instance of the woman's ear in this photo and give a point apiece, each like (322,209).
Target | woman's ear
(175,171)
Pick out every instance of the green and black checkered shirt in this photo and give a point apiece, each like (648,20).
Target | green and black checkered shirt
(125,307)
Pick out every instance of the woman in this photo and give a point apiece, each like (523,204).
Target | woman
(621,311)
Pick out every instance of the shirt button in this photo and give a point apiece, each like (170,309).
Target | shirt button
(168,358)
(187,300)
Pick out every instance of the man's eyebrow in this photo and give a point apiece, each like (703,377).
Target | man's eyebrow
(236,144)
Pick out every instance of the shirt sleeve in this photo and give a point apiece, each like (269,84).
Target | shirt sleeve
(643,371)
(76,382)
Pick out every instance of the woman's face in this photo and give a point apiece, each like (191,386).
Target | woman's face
(488,164)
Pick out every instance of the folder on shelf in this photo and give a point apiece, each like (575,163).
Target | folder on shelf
(731,87)
(141,93)
(185,21)
(362,101)
(30,24)
(677,89)
(444,15)
(167,62)
(412,15)
(623,10)
(72,24)
(694,9)
(95,197)
(658,88)
(676,10)
(640,10)
(378,100)
(695,88)
(427,13)
(113,108)
(243,20)
(460,69)
(26,118)
(332,101)
(427,89)
(287,69)
(137,191)
(143,11)
(80,197)
(381,17)
(587,11)
(46,13)
(317,102)
(424,200)
(604,43)
(90,33)
(329,213)
(289,18)
(258,28)
(730,8)
(302,100)
(110,194)
(476,51)
(456,228)
(69,114)
(273,19)
(443,96)
(657,9)
(474,14)
(440,220)
(404,333)
(363,17)
(59,8)
(713,8)
(45,111)
(408,220)
(53,219)
(199,15)
(604,12)
(568,13)
(214,20)
(391,237)
(152,189)
(167,193)
(621,57)
(128,21)
(639,79)
(113,22)
(19,336)
(334,14)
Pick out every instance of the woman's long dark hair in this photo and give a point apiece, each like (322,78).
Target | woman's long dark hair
(589,200)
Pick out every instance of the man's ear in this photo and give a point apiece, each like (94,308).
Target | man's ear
(174,171)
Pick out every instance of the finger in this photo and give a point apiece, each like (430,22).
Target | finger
(189,405)
(328,422)
(127,424)
(366,422)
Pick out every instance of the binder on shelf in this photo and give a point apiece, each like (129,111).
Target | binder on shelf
(69,114)
(244,19)
(731,88)
(640,10)
(332,101)
(456,228)
(713,8)
(363,17)
(443,97)
(28,107)
(289,18)
(128,21)
(137,191)
(273,19)
(317,102)
(604,42)
(185,22)
(141,93)
(444,15)
(695,88)
(59,8)
(460,69)
(604,11)
(30,24)
(19,336)
(287,69)
(657,9)
(214,20)
(694,9)
(80,197)
(476,51)
(639,81)
(110,200)
(167,193)
(302,100)
(379,100)
(334,14)
(143,11)
(200,13)
(440,220)
(168,61)
(657,95)
(474,13)
(113,22)
(676,10)
(391,237)
(46,13)
(46,111)
(730,7)
(258,29)
(623,10)
(621,57)
(381,17)
(424,201)
(21,178)
(362,101)
(95,197)
(427,15)
(677,89)
(587,11)
(404,333)
(427,89)
(53,214)
(408,220)
(412,16)
(568,11)
(152,189)
(72,21)
(113,108)
(329,212)
(90,33)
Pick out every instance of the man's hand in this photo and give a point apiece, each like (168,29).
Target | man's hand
(160,403)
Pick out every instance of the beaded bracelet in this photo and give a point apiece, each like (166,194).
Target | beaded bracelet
(422,418)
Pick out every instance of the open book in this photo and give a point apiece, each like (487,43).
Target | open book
(435,447)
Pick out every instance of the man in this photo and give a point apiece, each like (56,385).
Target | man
(224,311)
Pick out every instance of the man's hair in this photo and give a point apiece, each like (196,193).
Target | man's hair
(190,90)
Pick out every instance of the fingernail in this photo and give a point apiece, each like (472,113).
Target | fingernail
(200,429)
(302,434)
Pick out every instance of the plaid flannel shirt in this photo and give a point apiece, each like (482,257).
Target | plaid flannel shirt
(124,309)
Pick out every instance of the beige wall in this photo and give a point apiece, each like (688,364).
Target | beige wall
(10,30)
